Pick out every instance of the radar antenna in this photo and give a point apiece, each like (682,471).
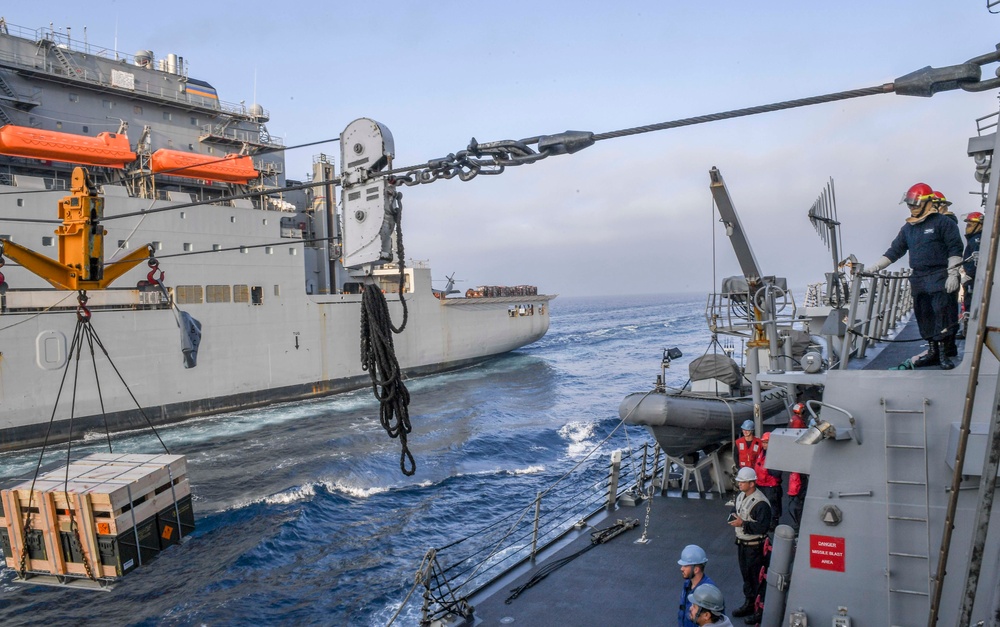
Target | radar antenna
(823,215)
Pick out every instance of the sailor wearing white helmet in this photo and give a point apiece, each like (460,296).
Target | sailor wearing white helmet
(751,518)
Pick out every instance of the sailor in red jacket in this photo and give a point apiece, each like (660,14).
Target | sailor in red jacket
(797,483)
(798,419)
(747,447)
(768,482)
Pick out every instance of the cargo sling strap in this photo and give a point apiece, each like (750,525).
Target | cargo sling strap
(84,331)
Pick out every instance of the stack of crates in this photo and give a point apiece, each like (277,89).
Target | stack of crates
(111,512)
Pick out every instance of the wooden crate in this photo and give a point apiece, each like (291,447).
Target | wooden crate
(126,508)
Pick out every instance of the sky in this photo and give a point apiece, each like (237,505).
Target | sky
(625,216)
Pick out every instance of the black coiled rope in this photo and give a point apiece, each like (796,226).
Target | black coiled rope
(378,356)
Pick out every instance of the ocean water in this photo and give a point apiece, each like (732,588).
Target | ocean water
(302,514)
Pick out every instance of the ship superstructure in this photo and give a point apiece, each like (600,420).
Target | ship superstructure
(256,257)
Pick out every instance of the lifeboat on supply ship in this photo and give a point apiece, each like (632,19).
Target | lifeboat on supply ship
(229,169)
(110,150)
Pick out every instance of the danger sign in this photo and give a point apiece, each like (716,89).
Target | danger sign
(826,553)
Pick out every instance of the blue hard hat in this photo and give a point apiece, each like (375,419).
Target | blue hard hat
(708,597)
(691,555)
(747,425)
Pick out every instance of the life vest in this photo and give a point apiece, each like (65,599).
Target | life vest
(744,506)
(748,452)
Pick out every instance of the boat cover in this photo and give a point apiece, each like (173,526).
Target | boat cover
(720,367)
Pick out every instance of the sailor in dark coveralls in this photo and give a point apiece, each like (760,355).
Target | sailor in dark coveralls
(935,247)
(973,236)
(751,518)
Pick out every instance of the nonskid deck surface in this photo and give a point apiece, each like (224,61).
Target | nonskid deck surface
(622,582)
(904,345)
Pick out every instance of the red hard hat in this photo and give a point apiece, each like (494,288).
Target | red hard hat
(939,198)
(766,436)
(917,194)
(798,408)
(975,216)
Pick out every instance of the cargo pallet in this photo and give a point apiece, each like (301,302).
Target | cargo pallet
(89,525)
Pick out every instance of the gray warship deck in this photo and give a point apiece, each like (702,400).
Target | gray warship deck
(612,583)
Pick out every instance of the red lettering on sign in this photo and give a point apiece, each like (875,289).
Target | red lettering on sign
(827,553)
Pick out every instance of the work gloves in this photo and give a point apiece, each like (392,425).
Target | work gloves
(883,262)
(954,265)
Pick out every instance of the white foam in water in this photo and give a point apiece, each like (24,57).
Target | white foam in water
(578,434)
(530,470)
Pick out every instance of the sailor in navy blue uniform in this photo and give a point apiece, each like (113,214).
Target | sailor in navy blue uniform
(935,248)
(973,236)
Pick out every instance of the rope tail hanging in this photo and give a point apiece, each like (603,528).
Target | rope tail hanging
(378,356)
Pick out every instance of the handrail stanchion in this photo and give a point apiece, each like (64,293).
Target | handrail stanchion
(616,467)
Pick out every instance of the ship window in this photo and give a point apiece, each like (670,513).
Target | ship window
(194,121)
(137,109)
(277,290)
(216,246)
(74,98)
(20,202)
(232,219)
(184,215)
(211,150)
(58,124)
(167,116)
(188,247)
(107,104)
(257,295)
(48,241)
(241,294)
(86,129)
(156,245)
(123,244)
(217,293)
(293,252)
(189,294)
(265,221)
(244,249)
(190,146)
(268,250)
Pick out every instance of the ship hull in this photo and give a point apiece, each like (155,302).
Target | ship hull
(281,344)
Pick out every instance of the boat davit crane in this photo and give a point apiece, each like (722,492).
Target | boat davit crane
(81,244)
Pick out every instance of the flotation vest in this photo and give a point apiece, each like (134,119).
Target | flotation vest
(748,452)
(764,478)
(744,506)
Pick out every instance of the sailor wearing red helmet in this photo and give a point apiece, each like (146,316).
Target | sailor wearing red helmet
(973,235)
(768,482)
(935,250)
(941,204)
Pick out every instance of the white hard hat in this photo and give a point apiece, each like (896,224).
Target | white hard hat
(746,474)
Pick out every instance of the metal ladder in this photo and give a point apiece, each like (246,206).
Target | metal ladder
(70,69)
(907,516)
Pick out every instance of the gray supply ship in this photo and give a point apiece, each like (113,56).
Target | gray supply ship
(902,466)
(270,267)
